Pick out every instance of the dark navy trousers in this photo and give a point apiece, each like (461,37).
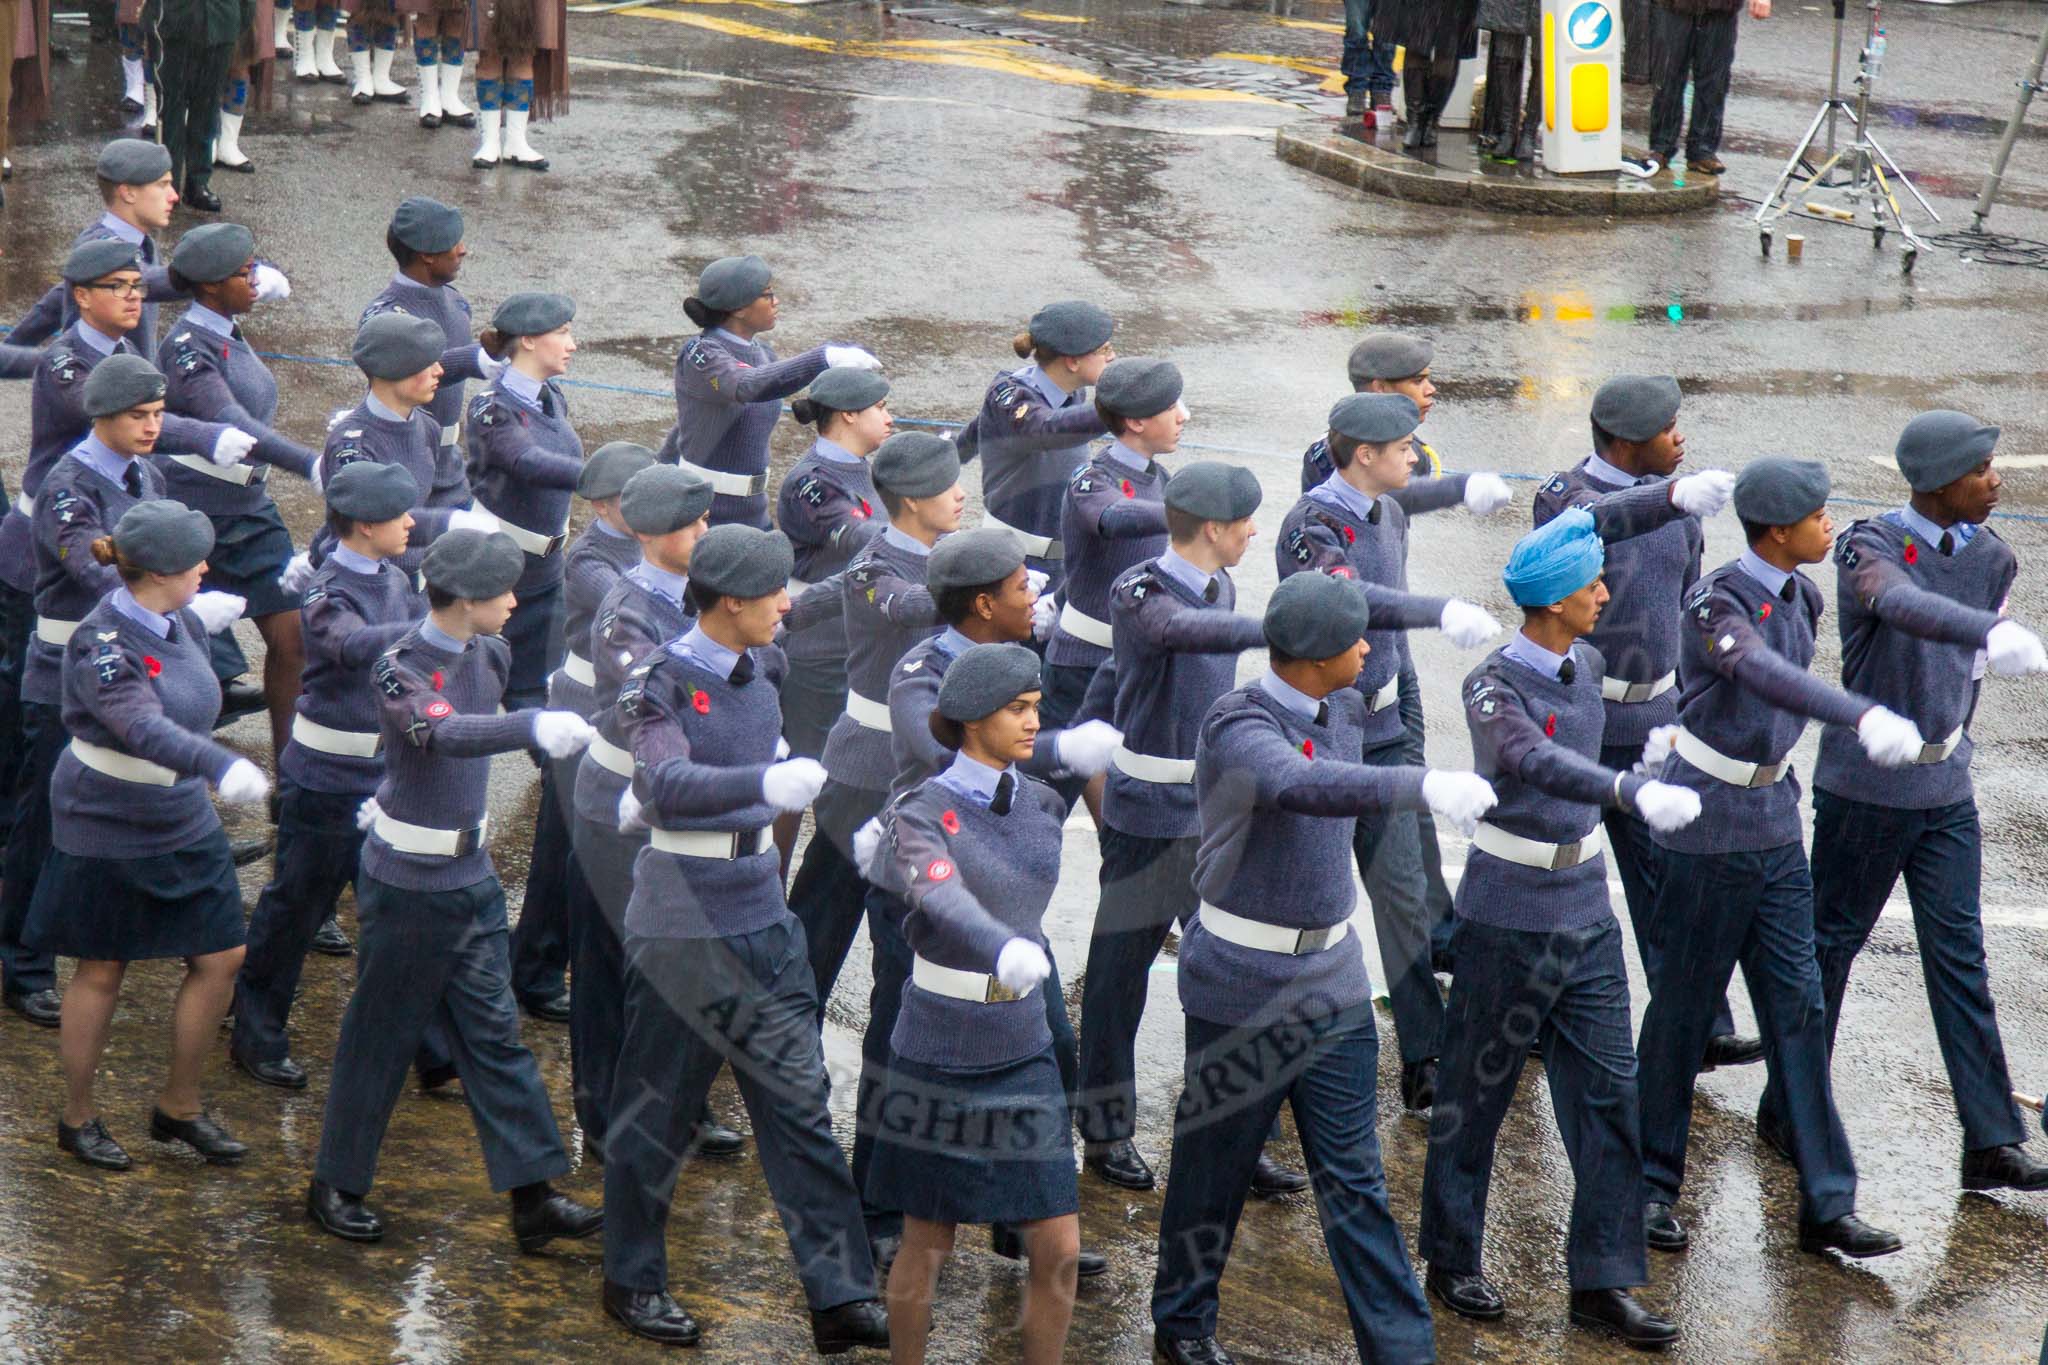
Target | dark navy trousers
(426,957)
(1699,47)
(597,1008)
(1326,1066)
(1569,989)
(1859,853)
(691,1005)
(24,970)
(1147,886)
(17,627)
(540,942)
(1388,846)
(829,894)
(1753,909)
(1442,920)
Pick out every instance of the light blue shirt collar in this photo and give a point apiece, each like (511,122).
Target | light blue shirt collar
(125,603)
(520,385)
(377,409)
(605,528)
(199,315)
(973,778)
(439,638)
(95,338)
(903,540)
(1355,501)
(1527,652)
(670,585)
(833,451)
(952,643)
(1175,566)
(1290,696)
(102,459)
(1607,473)
(1128,458)
(750,346)
(122,228)
(1770,575)
(1910,518)
(346,558)
(706,651)
(1038,379)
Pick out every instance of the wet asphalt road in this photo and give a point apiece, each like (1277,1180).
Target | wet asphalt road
(920,187)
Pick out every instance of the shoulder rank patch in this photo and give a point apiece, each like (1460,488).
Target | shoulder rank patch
(694,349)
(1004,393)
(811,491)
(64,367)
(107,664)
(386,672)
(1557,484)
(348,455)
(66,504)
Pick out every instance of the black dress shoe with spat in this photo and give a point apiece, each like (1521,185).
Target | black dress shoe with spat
(837,1330)
(554,1009)
(2003,1168)
(1191,1351)
(1777,1135)
(1469,1296)
(341,1213)
(1008,1243)
(38,1007)
(1271,1180)
(1120,1164)
(712,1138)
(1849,1235)
(1418,1084)
(1616,1311)
(330,941)
(540,1215)
(1662,1230)
(201,1134)
(200,199)
(651,1314)
(284,1073)
(1732,1049)
(90,1143)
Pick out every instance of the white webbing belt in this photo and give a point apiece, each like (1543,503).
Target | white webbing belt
(1697,752)
(867,711)
(1038,547)
(709,843)
(1082,626)
(127,767)
(731,485)
(243,474)
(578,669)
(610,756)
(533,542)
(56,633)
(1147,768)
(1269,938)
(328,740)
(1534,852)
(1622,690)
(432,843)
(451,434)
(1385,697)
(25,505)
(976,987)
(1939,751)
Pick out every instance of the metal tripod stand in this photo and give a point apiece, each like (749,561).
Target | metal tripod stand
(1863,161)
(2028,87)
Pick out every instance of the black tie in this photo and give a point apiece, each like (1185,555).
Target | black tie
(1322,713)
(170,630)
(1006,791)
(1948,542)
(1790,590)
(742,671)
(131,479)
(1211,591)
(1566,671)
(1372,518)
(148,249)
(547,404)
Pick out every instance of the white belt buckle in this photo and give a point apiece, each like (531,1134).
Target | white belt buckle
(533,542)
(451,434)
(243,474)
(1939,751)
(728,484)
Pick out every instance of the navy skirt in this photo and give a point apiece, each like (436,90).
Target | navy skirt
(181,904)
(250,549)
(989,1145)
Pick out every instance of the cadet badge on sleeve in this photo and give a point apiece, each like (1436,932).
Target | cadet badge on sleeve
(107,664)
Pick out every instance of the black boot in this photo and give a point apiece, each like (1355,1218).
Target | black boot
(1532,115)
(1497,128)
(1415,93)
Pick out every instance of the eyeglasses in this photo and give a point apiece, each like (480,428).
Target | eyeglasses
(120,289)
(768,294)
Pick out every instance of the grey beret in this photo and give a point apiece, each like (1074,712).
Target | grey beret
(1778,490)
(1375,417)
(970,559)
(609,467)
(1071,328)
(89,261)
(1214,491)
(739,561)
(664,497)
(915,464)
(845,389)
(1315,616)
(1138,387)
(163,536)
(477,565)
(397,345)
(985,679)
(131,161)
(1389,355)
(530,315)
(121,382)
(364,490)
(733,282)
(210,253)
(1636,407)
(1939,447)
(426,225)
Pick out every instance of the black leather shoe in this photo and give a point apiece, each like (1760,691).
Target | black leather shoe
(1418,1084)
(1270,1179)
(330,941)
(2003,1168)
(237,698)
(1732,1049)
(1411,141)
(284,1073)
(1120,1164)
(201,1134)
(38,1007)
(550,1215)
(653,1315)
(90,1143)
(434,1078)
(555,1009)
(1662,1230)
(1191,1351)
(1849,1235)
(200,199)
(1616,1311)
(712,1138)
(461,121)
(1469,1296)
(342,1214)
(1008,1243)
(538,163)
(1776,1135)
(246,851)
(837,1330)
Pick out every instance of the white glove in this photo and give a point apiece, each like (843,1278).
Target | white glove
(793,783)
(850,357)
(474,518)
(1021,965)
(298,572)
(1888,737)
(367,813)
(1665,807)
(1045,614)
(488,365)
(1084,750)
(1038,580)
(1703,494)
(781,750)
(218,610)
(1658,747)
(232,446)
(1487,493)
(317,476)
(866,840)
(561,733)
(243,784)
(2015,651)
(270,283)
(1468,626)
(630,819)
(1460,798)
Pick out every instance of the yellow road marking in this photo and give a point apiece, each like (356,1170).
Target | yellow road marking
(1042,17)
(1333,79)
(1318,25)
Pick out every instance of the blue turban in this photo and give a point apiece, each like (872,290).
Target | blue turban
(1555,560)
